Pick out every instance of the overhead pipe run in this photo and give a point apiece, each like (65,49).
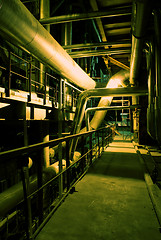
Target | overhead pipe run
(98,92)
(20,27)
(88,110)
(86,16)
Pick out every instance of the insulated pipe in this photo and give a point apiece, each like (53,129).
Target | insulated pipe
(20,27)
(98,92)
(151,128)
(116,80)
(104,109)
(140,18)
(157,25)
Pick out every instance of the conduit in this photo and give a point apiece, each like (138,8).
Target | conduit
(20,27)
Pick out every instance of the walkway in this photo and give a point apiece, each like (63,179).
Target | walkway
(110,203)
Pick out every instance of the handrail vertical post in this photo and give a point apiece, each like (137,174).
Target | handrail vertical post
(102,140)
(40,183)
(8,80)
(68,164)
(59,135)
(98,144)
(90,146)
(45,84)
(82,152)
(27,202)
(29,82)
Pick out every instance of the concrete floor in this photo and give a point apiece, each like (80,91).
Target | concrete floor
(111,202)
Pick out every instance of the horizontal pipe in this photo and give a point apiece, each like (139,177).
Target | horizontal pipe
(98,92)
(91,53)
(88,110)
(94,45)
(20,27)
(86,16)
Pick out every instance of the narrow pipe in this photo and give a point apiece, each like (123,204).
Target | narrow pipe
(20,27)
(86,16)
(98,92)
(104,109)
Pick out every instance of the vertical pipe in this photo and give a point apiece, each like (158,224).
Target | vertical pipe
(157,25)
(44,13)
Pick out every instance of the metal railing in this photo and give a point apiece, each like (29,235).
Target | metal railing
(91,145)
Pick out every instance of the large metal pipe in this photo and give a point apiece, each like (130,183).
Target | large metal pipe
(19,26)
(157,25)
(116,80)
(151,128)
(98,92)
(88,110)
(140,19)
(86,16)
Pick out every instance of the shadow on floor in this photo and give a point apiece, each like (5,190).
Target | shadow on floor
(125,165)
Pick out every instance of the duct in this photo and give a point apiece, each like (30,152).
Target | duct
(151,128)
(140,18)
(20,27)
(86,16)
(104,109)
(157,24)
(98,92)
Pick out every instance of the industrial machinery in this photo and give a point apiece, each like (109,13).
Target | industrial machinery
(58,80)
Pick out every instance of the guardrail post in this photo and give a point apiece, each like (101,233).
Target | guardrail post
(8,80)
(45,84)
(29,81)
(82,152)
(67,164)
(26,192)
(102,140)
(90,146)
(59,135)
(98,144)
(40,183)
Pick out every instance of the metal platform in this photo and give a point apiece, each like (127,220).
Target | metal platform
(110,202)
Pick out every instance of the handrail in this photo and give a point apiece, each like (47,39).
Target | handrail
(31,148)
(39,184)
